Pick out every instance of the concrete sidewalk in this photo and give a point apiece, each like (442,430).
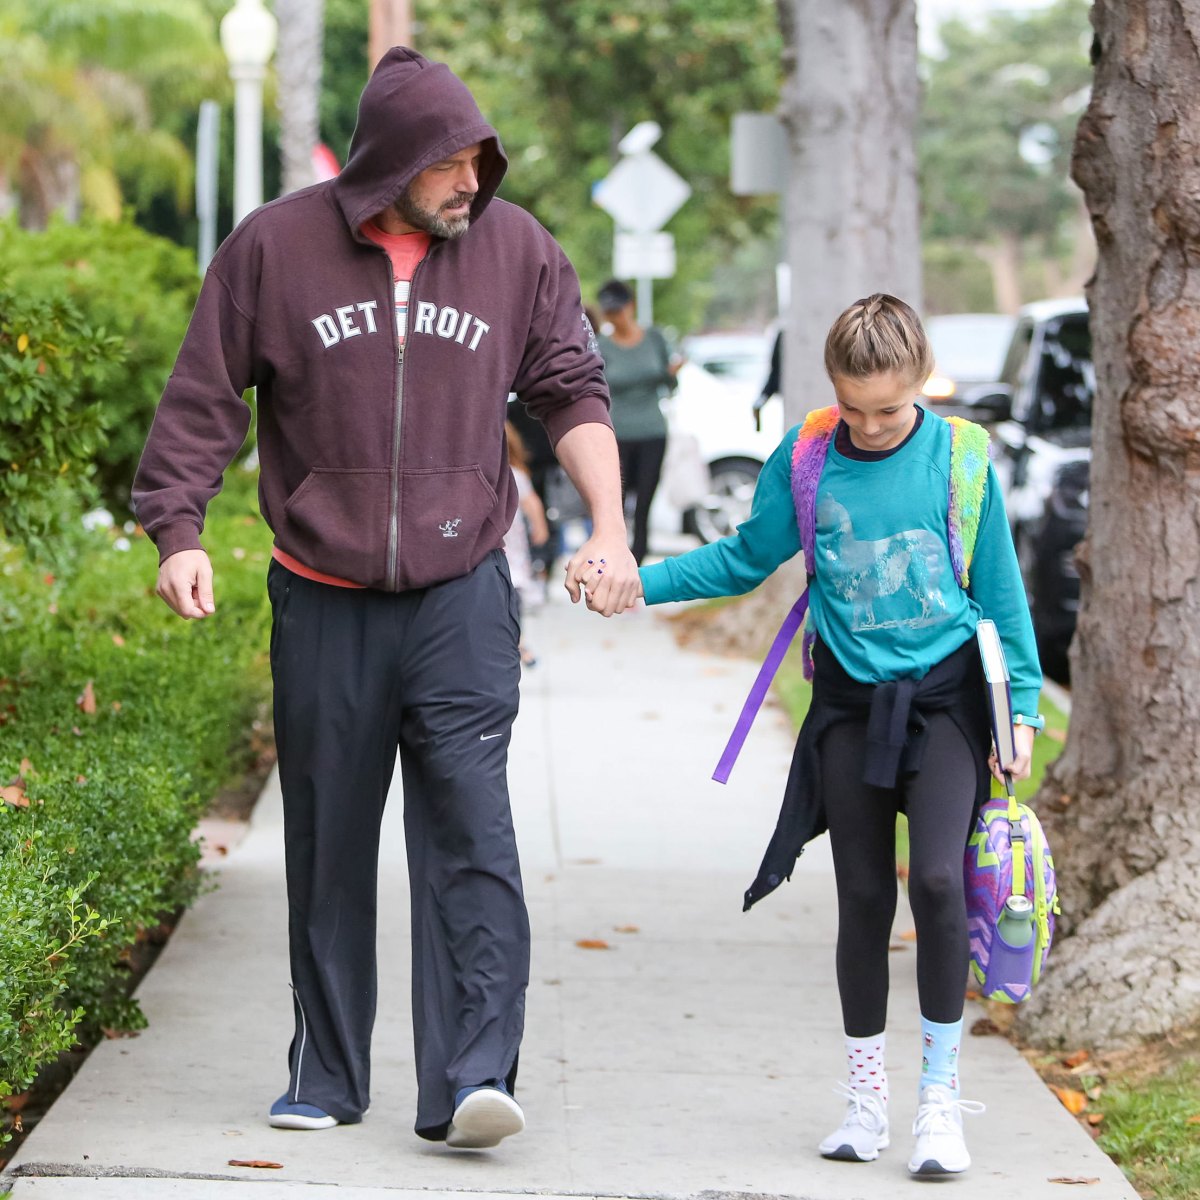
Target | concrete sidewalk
(695,1056)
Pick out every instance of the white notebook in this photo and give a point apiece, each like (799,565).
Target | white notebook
(995,673)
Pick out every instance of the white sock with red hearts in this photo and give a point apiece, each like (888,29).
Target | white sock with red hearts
(865,1059)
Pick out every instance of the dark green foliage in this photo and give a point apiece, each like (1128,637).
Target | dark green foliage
(55,368)
(563,82)
(103,850)
(997,80)
(125,284)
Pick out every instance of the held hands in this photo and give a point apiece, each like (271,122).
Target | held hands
(1023,737)
(185,583)
(604,572)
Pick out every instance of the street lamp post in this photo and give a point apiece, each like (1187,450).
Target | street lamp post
(248,38)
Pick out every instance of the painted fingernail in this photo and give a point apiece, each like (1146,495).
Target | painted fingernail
(590,561)
(599,570)
(604,560)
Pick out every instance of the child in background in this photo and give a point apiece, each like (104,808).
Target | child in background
(898,720)
(529,523)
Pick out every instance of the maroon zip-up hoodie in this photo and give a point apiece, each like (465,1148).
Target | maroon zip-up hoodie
(384,469)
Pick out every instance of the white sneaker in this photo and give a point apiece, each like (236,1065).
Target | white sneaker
(940,1148)
(864,1129)
(483,1118)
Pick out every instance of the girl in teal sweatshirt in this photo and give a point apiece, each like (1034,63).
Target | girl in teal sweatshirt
(901,569)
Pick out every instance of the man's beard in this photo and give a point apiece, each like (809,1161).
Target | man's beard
(432,221)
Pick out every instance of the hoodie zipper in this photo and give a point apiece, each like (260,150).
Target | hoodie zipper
(393,550)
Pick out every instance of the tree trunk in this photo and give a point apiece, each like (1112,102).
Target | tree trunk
(850,108)
(390,25)
(849,105)
(1004,260)
(298,75)
(1121,802)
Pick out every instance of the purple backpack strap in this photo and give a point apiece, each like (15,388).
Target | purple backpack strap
(758,692)
(808,460)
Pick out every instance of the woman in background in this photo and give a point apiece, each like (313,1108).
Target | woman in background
(640,371)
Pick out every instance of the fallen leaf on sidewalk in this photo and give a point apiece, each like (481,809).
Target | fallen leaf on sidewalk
(1084,1179)
(593,944)
(1076,1059)
(255,1162)
(908,935)
(626,929)
(1074,1102)
(985,1027)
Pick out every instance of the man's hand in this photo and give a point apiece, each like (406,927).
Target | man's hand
(1023,736)
(185,582)
(605,573)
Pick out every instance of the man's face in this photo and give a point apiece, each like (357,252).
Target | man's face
(439,199)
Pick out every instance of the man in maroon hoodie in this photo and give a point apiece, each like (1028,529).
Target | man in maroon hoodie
(384,317)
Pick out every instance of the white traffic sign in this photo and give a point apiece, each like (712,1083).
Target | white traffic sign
(643,255)
(641,193)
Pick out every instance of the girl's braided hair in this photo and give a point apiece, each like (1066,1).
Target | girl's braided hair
(875,335)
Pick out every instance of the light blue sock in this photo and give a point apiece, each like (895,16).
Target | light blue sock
(939,1053)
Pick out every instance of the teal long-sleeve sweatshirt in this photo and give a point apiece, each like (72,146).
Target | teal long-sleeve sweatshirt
(884,599)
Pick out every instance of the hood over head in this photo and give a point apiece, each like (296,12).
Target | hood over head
(412,113)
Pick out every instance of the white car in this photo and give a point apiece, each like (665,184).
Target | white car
(711,422)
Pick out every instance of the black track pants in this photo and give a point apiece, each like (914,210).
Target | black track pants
(358,674)
(939,801)
(641,468)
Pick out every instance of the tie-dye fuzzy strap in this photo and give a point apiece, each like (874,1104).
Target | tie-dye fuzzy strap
(808,461)
(968,482)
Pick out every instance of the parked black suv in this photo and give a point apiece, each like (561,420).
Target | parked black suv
(1043,455)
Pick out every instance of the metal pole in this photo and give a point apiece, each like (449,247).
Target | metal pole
(208,135)
(247,139)
(645,302)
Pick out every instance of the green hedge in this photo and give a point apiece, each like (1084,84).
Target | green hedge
(125,283)
(53,367)
(99,805)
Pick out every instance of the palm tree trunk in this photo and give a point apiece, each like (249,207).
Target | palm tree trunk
(298,70)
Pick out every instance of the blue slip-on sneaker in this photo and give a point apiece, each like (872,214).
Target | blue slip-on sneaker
(286,1115)
(483,1116)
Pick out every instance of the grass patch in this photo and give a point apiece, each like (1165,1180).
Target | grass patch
(1146,1131)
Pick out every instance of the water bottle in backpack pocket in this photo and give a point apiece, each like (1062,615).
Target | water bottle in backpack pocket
(1012,900)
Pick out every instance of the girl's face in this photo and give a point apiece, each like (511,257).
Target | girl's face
(879,410)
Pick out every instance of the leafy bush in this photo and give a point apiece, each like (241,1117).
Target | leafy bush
(54,367)
(135,287)
(118,722)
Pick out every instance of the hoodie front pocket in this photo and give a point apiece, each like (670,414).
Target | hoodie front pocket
(336,522)
(443,513)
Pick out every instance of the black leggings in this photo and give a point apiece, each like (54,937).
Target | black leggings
(939,800)
(641,466)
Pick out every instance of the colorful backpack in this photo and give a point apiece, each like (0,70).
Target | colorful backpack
(1010,929)
(968,482)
